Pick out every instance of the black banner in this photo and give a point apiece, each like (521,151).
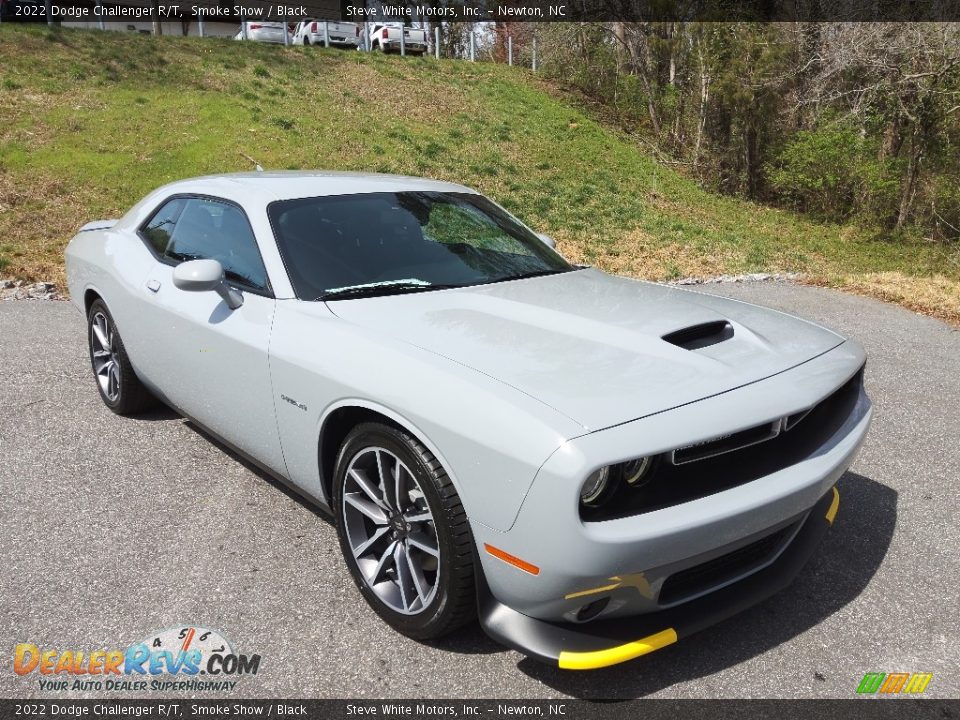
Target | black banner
(485,10)
(492,709)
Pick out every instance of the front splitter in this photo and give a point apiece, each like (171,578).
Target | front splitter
(602,643)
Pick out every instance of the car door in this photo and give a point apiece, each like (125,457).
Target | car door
(210,361)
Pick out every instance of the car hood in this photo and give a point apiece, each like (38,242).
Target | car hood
(591,345)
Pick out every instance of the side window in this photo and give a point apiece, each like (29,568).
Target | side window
(208,229)
(160,227)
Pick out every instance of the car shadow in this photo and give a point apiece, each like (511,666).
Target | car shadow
(468,640)
(154,414)
(847,559)
(261,473)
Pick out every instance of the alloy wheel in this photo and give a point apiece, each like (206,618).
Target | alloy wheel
(391,531)
(105,362)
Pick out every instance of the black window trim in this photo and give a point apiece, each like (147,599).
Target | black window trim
(262,292)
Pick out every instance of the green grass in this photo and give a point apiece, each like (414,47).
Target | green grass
(91,121)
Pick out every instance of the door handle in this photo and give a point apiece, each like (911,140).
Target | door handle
(153,285)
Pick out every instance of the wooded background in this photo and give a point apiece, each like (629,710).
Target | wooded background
(844,121)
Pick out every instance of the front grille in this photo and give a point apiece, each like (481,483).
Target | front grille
(697,477)
(728,443)
(713,573)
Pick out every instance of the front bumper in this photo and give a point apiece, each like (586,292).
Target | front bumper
(587,646)
(639,561)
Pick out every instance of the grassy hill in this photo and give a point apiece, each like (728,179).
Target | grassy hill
(91,121)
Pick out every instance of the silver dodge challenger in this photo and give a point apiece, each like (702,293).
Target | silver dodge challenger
(594,466)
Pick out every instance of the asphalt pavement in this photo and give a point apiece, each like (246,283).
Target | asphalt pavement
(117,527)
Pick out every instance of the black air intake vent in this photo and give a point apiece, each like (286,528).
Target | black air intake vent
(701,336)
(707,576)
(728,443)
(790,422)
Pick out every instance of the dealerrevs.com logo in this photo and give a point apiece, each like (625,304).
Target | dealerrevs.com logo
(181,658)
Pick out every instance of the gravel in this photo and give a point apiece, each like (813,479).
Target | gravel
(20,290)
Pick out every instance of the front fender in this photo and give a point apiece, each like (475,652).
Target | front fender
(491,438)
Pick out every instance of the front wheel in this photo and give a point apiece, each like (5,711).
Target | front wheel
(403,532)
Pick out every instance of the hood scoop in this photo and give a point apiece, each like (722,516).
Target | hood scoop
(700,336)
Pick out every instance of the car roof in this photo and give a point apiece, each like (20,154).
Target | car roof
(291,184)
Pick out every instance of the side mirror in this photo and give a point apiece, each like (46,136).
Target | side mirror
(203,276)
(548,241)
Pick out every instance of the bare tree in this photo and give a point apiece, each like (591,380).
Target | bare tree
(905,76)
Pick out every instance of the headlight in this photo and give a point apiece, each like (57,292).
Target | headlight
(636,472)
(595,487)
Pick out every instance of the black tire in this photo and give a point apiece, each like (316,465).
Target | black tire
(454,600)
(127,395)
(306,40)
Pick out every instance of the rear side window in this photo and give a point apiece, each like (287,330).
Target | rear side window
(209,229)
(159,229)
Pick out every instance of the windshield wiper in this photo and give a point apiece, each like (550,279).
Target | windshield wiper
(185,257)
(360,291)
(533,274)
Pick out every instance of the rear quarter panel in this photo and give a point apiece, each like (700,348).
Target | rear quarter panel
(114,264)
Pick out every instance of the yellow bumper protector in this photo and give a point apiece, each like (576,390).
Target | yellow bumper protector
(618,654)
(593,591)
(834,506)
(634,580)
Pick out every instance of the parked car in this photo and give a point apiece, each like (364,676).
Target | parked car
(596,465)
(259,31)
(386,37)
(341,34)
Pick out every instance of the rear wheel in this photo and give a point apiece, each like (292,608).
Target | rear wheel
(403,532)
(120,388)
(306,40)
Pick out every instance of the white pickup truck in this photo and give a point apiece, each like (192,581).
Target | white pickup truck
(386,37)
(341,34)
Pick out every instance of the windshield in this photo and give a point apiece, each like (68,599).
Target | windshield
(348,246)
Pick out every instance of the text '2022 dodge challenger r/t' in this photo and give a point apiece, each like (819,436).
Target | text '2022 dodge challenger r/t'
(596,466)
